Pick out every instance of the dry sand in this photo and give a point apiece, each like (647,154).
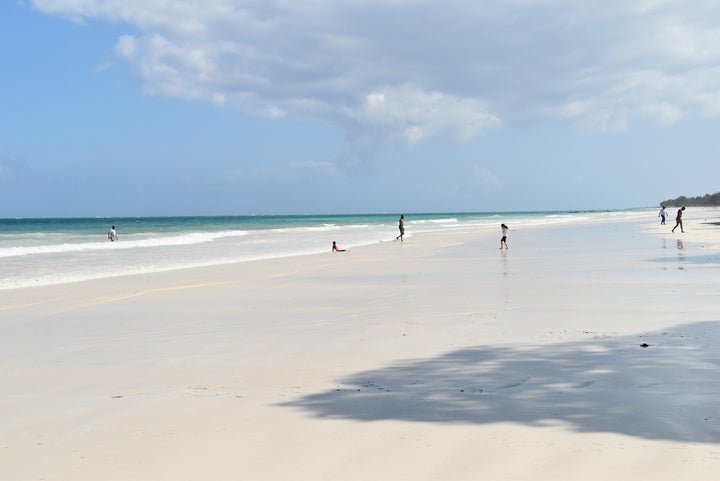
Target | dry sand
(438,358)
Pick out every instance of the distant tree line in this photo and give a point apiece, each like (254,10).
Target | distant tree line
(705,200)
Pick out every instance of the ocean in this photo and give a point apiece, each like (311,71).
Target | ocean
(36,252)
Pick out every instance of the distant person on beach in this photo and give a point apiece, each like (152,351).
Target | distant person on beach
(503,241)
(335,248)
(112,235)
(678,220)
(662,215)
(401,226)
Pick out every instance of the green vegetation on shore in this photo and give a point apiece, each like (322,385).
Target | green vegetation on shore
(703,201)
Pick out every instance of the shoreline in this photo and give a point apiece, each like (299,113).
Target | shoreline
(35,257)
(103,262)
(441,357)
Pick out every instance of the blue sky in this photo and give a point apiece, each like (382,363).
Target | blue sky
(149,107)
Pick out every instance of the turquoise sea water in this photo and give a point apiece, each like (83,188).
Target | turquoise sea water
(37,252)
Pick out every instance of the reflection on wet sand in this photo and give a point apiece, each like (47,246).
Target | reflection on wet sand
(681,254)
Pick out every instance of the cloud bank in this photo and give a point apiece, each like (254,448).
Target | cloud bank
(407,71)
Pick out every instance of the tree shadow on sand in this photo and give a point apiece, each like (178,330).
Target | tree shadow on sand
(663,385)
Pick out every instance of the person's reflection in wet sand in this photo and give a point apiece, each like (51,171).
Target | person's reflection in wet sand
(681,254)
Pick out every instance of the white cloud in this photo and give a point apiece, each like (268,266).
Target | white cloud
(665,113)
(412,70)
(485,177)
(126,47)
(409,115)
(648,95)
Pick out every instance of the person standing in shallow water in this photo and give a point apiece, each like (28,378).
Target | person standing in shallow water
(401,226)
(662,215)
(678,220)
(503,241)
(112,235)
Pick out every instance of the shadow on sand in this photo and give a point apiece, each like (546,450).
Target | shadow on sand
(667,390)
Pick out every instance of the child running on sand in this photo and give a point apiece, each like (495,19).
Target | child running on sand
(503,241)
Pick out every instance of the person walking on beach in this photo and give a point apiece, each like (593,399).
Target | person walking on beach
(112,235)
(503,241)
(401,226)
(678,220)
(662,215)
(335,248)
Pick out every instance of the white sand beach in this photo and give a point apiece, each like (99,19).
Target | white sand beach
(438,358)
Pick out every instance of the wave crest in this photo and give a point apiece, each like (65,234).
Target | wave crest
(178,240)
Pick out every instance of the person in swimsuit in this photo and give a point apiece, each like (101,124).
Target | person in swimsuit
(678,220)
(335,248)
(401,226)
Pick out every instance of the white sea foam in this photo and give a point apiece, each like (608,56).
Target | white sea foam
(178,240)
(450,220)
